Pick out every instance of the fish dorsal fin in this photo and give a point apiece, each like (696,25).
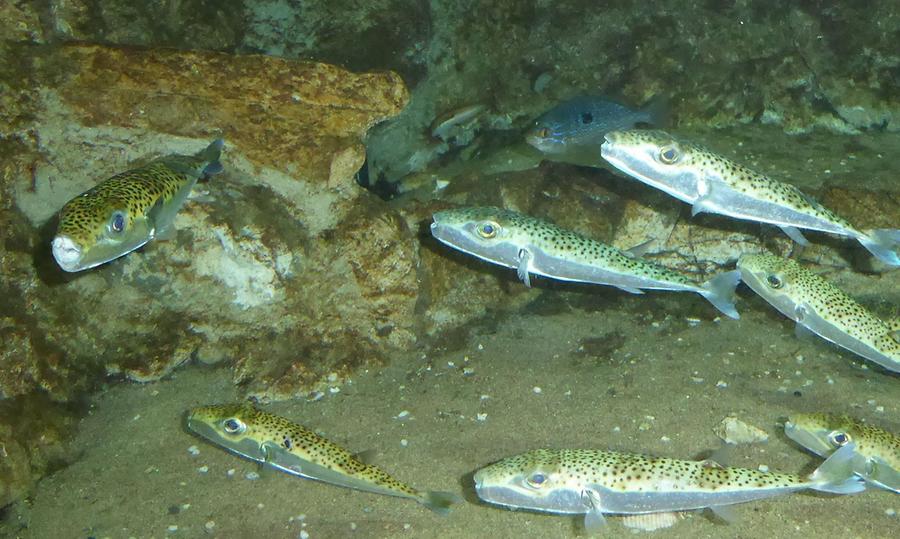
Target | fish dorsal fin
(367,456)
(640,249)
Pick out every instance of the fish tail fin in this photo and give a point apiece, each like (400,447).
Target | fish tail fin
(720,292)
(657,111)
(836,475)
(439,502)
(210,155)
(883,243)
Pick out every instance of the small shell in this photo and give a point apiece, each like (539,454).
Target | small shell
(734,431)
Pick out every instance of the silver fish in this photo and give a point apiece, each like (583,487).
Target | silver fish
(877,450)
(714,184)
(596,482)
(537,247)
(820,307)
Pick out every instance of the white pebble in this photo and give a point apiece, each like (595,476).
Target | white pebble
(890,512)
(485,397)
(260,506)
(406,526)
(879,408)
(332,377)
(230,473)
(468,371)
(722,384)
(334,390)
(210,524)
(203,469)
(172,528)
(763,468)
(194,450)
(480,346)
(830,380)
(665,439)
(481,417)
(135,418)
(301,517)
(537,390)
(252,476)
(402,415)
(304,534)
(404,442)
(353,526)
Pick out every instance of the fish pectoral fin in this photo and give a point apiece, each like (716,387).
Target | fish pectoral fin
(594,521)
(166,234)
(804,333)
(794,234)
(703,205)
(725,512)
(630,290)
(524,269)
(267,467)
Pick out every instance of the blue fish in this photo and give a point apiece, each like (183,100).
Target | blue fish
(575,129)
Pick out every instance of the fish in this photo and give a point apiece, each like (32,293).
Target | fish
(576,128)
(596,482)
(284,445)
(712,183)
(820,307)
(129,209)
(446,125)
(877,450)
(536,247)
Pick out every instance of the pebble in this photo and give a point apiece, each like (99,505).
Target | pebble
(402,415)
(353,526)
(480,346)
(194,450)
(481,417)
(172,528)
(304,534)
(468,371)
(734,431)
(210,524)
(722,384)
(230,473)
(203,469)
(404,442)
(763,468)
(485,397)
(890,512)
(252,476)
(537,390)
(334,390)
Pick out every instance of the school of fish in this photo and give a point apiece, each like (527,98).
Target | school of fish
(128,210)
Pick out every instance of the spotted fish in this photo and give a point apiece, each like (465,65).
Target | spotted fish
(714,184)
(595,483)
(274,441)
(818,306)
(126,211)
(537,247)
(877,450)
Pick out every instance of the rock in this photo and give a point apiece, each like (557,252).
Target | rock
(734,431)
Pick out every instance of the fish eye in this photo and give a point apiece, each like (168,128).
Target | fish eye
(543,132)
(117,222)
(586,118)
(669,154)
(838,438)
(774,281)
(536,480)
(488,229)
(233,425)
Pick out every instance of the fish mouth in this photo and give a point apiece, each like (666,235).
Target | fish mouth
(67,253)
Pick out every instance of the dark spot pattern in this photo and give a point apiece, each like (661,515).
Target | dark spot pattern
(305,444)
(871,442)
(557,242)
(631,472)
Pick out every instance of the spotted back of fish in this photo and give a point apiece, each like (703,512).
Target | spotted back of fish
(134,193)
(785,277)
(826,430)
(693,158)
(632,472)
(263,427)
(491,225)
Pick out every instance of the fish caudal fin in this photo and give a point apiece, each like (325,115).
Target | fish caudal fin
(883,243)
(720,292)
(211,156)
(836,475)
(440,502)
